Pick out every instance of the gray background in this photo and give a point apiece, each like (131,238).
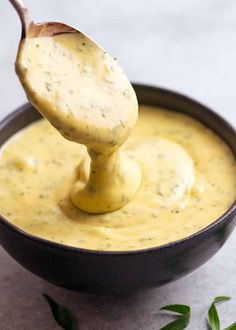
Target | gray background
(185,45)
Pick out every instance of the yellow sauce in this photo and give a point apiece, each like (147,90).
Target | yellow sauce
(83,92)
(188,181)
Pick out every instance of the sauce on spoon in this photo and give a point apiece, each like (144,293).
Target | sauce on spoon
(83,92)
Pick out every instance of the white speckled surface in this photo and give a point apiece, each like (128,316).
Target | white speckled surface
(185,45)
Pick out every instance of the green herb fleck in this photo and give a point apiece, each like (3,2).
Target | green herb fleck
(145,239)
(122,123)
(61,314)
(54,161)
(153,215)
(103,113)
(159,192)
(126,93)
(183,320)
(113,143)
(48,86)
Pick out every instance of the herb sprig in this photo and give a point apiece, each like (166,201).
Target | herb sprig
(67,321)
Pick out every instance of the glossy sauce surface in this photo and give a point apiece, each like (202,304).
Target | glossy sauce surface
(188,181)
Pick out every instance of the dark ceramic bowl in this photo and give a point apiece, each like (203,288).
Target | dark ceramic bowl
(120,272)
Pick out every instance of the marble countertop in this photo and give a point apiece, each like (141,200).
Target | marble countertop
(184,45)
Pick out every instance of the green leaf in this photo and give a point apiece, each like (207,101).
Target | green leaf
(213,317)
(231,327)
(221,299)
(183,320)
(61,314)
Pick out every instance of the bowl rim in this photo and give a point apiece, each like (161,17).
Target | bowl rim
(67,248)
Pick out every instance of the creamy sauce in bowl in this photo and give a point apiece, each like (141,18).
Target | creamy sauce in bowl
(188,181)
(170,178)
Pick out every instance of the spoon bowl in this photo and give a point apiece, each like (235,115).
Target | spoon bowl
(104,272)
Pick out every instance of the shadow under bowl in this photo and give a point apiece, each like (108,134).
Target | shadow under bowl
(124,271)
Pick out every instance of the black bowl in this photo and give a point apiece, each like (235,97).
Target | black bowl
(120,272)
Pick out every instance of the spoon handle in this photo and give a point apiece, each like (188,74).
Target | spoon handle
(23,14)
